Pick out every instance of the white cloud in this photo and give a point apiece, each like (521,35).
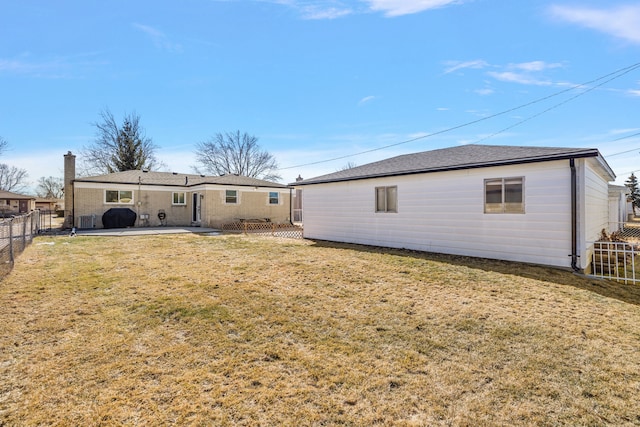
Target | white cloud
(484,92)
(634,92)
(458,65)
(526,73)
(623,131)
(366,100)
(407,7)
(316,9)
(315,12)
(622,21)
(536,66)
(158,38)
(332,9)
(521,78)
(62,67)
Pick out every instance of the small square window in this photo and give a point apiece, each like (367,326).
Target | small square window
(504,195)
(274,197)
(179,198)
(387,199)
(231,196)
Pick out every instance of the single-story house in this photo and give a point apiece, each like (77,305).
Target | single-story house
(49,205)
(620,210)
(536,205)
(15,204)
(150,198)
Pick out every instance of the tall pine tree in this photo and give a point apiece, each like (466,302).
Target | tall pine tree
(129,153)
(119,148)
(634,191)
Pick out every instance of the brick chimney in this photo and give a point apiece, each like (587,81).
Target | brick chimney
(69,176)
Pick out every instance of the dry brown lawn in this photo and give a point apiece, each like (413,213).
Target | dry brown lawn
(235,330)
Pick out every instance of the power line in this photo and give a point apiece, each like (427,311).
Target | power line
(610,77)
(623,152)
(566,101)
(625,137)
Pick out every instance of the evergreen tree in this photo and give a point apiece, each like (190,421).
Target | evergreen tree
(634,196)
(129,153)
(119,148)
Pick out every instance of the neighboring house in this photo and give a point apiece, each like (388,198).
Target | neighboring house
(528,204)
(49,205)
(173,199)
(15,204)
(619,211)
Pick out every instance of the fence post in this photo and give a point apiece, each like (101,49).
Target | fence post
(11,241)
(24,233)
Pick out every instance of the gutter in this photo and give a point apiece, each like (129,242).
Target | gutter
(574,214)
(507,162)
(73,204)
(291,205)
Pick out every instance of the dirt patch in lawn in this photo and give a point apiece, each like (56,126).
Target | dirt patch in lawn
(237,330)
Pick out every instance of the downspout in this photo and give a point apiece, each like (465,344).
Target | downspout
(291,205)
(574,214)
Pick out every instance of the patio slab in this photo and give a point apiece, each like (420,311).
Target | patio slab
(142,231)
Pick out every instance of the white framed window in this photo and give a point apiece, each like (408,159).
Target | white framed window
(387,199)
(123,197)
(274,198)
(504,195)
(231,197)
(179,198)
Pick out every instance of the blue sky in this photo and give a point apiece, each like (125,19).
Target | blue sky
(320,79)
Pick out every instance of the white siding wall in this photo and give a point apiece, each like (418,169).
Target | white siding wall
(444,212)
(595,215)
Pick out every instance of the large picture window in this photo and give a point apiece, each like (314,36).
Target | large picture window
(231,197)
(504,195)
(118,196)
(179,198)
(387,199)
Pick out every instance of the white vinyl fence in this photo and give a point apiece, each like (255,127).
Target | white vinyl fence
(615,255)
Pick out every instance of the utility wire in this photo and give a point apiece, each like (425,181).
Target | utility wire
(566,101)
(623,152)
(625,137)
(610,77)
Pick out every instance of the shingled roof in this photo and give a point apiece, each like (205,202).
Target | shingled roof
(455,158)
(176,179)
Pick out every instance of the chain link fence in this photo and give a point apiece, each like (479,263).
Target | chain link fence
(264,228)
(15,234)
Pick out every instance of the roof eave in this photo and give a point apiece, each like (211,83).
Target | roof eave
(537,159)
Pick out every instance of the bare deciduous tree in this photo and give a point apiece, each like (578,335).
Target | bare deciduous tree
(50,187)
(349,165)
(3,145)
(119,148)
(12,178)
(236,153)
